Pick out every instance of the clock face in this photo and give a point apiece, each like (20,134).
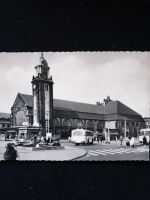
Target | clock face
(34,86)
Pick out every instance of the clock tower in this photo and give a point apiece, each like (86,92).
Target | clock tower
(42,88)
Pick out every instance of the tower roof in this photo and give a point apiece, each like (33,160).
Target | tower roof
(43,61)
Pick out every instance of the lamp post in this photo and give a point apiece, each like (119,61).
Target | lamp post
(108,127)
(125,127)
(108,134)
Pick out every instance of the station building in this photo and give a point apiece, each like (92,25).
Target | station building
(41,112)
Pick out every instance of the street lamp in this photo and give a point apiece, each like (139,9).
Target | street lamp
(125,127)
(108,127)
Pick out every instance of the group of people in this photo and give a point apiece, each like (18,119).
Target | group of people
(106,139)
(36,139)
(130,141)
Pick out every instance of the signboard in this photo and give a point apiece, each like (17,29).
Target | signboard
(110,124)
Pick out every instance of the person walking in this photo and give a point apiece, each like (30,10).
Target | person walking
(108,139)
(101,138)
(144,140)
(121,140)
(35,139)
(98,138)
(127,142)
(132,141)
(116,139)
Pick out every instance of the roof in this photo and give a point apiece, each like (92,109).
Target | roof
(117,107)
(77,106)
(113,107)
(5,115)
(67,105)
(123,109)
(28,99)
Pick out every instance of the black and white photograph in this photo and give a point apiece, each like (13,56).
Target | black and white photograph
(75,106)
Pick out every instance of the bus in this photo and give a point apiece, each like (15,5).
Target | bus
(146,132)
(82,136)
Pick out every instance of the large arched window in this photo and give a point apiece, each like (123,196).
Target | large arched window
(67,122)
(55,122)
(90,125)
(79,123)
(100,125)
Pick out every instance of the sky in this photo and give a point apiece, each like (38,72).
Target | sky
(81,76)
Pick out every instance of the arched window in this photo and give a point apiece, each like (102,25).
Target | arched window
(100,125)
(90,125)
(79,123)
(67,122)
(55,122)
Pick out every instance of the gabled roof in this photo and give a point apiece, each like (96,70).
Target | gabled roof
(28,99)
(123,109)
(5,115)
(117,107)
(113,107)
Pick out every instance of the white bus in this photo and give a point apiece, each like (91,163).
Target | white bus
(82,136)
(146,132)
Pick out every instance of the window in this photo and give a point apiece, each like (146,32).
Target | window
(45,74)
(88,133)
(46,87)
(3,125)
(77,133)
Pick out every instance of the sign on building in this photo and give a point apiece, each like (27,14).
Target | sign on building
(110,124)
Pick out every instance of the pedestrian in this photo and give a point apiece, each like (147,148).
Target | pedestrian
(48,137)
(121,140)
(132,141)
(37,145)
(127,142)
(101,138)
(35,139)
(108,139)
(42,139)
(144,140)
(98,138)
(116,139)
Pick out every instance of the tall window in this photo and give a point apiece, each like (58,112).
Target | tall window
(46,87)
(79,124)
(67,122)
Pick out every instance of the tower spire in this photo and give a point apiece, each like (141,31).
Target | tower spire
(41,54)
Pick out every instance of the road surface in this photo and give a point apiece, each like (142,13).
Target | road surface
(112,152)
